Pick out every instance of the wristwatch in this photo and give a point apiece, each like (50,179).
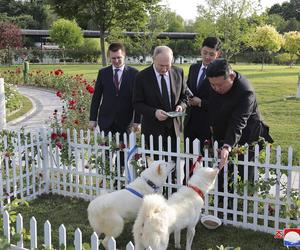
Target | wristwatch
(228,147)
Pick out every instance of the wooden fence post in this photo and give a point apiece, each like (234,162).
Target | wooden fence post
(2,105)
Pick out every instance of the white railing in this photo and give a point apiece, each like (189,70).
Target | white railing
(37,166)
(33,244)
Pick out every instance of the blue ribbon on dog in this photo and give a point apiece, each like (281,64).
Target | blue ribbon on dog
(129,157)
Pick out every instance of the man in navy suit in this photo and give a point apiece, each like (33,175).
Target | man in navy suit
(112,99)
(160,89)
(196,124)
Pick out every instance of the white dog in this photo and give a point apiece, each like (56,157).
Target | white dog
(158,217)
(107,212)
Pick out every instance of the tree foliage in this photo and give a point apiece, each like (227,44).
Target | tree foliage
(265,40)
(292,44)
(105,15)
(226,19)
(288,9)
(10,35)
(26,14)
(67,34)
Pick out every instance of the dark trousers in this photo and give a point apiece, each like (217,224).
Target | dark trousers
(116,128)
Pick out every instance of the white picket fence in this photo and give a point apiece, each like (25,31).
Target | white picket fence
(34,167)
(47,236)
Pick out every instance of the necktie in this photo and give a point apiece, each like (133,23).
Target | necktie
(201,78)
(164,93)
(116,81)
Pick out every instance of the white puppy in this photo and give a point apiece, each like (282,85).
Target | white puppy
(158,217)
(107,212)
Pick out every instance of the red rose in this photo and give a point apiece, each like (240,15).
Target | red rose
(122,146)
(53,136)
(59,144)
(58,72)
(90,89)
(137,156)
(72,102)
(59,94)
(207,142)
(64,135)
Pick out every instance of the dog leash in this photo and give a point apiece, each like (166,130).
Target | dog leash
(199,159)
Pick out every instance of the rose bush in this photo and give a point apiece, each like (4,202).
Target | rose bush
(74,91)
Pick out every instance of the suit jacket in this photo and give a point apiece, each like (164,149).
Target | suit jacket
(234,116)
(197,117)
(110,107)
(147,99)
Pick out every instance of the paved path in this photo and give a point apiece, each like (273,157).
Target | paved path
(44,103)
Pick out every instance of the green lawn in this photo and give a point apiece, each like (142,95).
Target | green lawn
(25,107)
(73,214)
(272,86)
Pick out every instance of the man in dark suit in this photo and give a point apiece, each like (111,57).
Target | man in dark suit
(112,99)
(160,89)
(234,115)
(196,124)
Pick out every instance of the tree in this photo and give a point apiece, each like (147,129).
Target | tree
(26,14)
(67,34)
(277,21)
(180,47)
(265,40)
(228,20)
(146,38)
(10,37)
(287,10)
(105,15)
(292,44)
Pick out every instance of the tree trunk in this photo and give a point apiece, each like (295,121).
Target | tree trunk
(262,62)
(102,46)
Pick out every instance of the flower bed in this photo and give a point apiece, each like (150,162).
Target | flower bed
(75,92)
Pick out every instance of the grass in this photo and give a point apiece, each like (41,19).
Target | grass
(25,107)
(73,214)
(271,85)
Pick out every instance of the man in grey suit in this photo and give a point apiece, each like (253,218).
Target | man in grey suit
(160,89)
(112,100)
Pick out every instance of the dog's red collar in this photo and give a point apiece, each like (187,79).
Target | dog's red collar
(197,190)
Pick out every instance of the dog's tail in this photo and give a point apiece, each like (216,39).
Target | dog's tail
(151,227)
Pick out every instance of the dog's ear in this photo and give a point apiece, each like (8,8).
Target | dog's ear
(148,161)
(158,169)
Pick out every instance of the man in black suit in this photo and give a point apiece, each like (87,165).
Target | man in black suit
(234,115)
(112,99)
(160,89)
(196,124)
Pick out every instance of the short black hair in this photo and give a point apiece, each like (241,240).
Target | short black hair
(212,42)
(114,47)
(219,67)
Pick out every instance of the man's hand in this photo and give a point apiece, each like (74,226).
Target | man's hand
(194,101)
(92,124)
(223,157)
(136,127)
(178,108)
(161,115)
